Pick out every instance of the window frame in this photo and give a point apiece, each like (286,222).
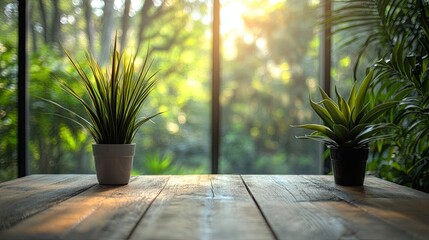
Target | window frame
(23,82)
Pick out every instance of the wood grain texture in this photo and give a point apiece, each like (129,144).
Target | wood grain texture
(297,208)
(203,207)
(404,208)
(373,188)
(210,207)
(101,212)
(27,196)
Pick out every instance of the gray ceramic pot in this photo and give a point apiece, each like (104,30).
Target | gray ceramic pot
(113,162)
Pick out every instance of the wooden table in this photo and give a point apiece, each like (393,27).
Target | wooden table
(210,207)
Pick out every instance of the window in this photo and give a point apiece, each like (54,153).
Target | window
(269,62)
(8,93)
(178,36)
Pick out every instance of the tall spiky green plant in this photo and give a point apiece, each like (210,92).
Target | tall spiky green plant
(114,96)
(348,123)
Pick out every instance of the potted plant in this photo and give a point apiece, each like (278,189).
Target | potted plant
(348,127)
(114,97)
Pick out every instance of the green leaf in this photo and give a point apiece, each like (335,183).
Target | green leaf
(344,107)
(326,140)
(356,130)
(361,93)
(322,113)
(352,98)
(370,131)
(334,111)
(320,128)
(341,132)
(377,111)
(114,96)
(368,140)
(338,97)
(324,94)
(360,115)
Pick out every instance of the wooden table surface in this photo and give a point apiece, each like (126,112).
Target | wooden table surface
(210,207)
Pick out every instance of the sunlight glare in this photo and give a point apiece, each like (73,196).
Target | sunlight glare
(231,15)
(273,2)
(231,25)
(136,5)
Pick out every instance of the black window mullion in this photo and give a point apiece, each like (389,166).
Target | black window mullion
(23,95)
(215,116)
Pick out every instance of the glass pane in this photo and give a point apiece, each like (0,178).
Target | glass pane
(345,55)
(8,89)
(178,34)
(269,67)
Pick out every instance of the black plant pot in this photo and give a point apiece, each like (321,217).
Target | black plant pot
(349,165)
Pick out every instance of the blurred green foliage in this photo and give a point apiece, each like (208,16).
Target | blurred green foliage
(8,96)
(265,89)
(270,63)
(393,37)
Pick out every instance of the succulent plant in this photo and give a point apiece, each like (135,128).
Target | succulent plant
(348,123)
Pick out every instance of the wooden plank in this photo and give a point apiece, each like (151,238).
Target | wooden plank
(210,207)
(373,188)
(358,223)
(102,212)
(296,208)
(203,207)
(291,188)
(409,215)
(282,200)
(26,196)
(404,208)
(22,180)
(394,190)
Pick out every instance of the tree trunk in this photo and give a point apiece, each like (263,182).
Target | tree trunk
(125,23)
(56,25)
(44,21)
(89,25)
(144,21)
(106,31)
(31,29)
